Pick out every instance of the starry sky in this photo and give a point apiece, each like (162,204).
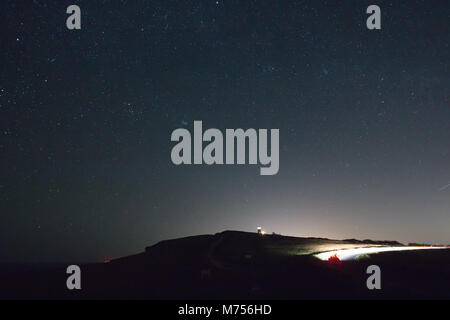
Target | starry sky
(86,118)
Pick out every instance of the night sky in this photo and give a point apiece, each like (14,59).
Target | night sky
(86,118)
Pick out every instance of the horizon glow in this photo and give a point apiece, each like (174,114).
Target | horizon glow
(352,254)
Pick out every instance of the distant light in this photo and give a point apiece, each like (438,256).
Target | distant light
(263,232)
(351,254)
(334,259)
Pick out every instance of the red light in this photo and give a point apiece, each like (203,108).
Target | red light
(334,259)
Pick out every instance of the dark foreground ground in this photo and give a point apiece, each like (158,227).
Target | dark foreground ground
(238,265)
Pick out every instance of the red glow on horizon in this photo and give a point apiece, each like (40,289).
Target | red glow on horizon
(334,259)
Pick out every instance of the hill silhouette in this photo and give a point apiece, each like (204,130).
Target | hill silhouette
(242,265)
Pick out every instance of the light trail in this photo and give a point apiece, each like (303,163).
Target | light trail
(352,254)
